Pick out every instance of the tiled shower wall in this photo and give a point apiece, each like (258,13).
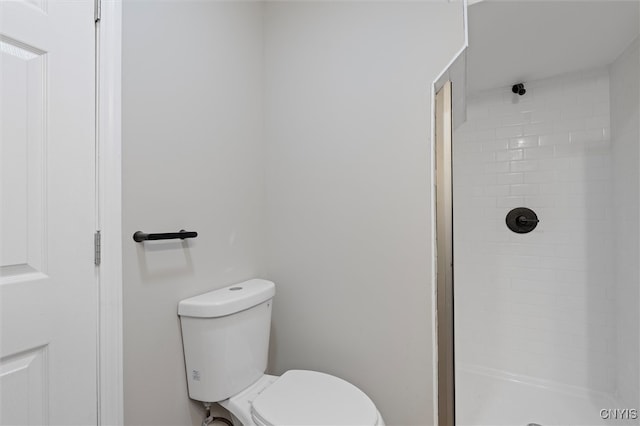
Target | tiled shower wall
(536,304)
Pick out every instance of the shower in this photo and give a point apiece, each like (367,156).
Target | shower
(519,89)
(545,194)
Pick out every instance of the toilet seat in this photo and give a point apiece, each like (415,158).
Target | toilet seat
(301,397)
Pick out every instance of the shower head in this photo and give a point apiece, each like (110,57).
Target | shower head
(519,89)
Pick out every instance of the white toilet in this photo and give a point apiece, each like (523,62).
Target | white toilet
(225,334)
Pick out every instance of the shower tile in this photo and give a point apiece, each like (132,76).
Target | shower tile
(597,122)
(523,142)
(566,174)
(548,164)
(585,136)
(496,190)
(523,166)
(509,132)
(510,202)
(524,189)
(496,167)
(577,110)
(538,128)
(496,145)
(460,145)
(486,157)
(486,178)
(569,125)
(530,294)
(570,150)
(602,107)
(487,123)
(477,114)
(513,119)
(540,201)
(554,138)
(475,135)
(540,177)
(508,178)
(512,154)
(538,153)
(602,147)
(545,115)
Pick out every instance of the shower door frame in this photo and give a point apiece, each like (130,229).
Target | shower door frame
(443,122)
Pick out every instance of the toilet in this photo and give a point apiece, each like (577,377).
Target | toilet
(225,335)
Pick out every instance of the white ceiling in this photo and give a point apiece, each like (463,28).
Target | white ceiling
(515,41)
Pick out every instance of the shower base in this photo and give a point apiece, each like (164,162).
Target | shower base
(491,397)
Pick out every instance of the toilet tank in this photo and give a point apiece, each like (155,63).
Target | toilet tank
(225,336)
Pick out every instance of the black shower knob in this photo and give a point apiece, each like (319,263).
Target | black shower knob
(522,220)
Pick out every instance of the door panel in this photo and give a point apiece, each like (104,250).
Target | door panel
(24,388)
(22,104)
(48,286)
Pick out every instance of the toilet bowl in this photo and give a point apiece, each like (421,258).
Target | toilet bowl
(225,335)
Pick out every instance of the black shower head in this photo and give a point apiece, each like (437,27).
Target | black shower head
(519,89)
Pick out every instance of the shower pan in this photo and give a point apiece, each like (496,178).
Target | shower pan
(545,193)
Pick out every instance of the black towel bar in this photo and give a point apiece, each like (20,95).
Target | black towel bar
(140,236)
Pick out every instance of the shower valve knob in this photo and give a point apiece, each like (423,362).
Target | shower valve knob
(522,220)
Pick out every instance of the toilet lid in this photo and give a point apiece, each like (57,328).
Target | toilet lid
(302,397)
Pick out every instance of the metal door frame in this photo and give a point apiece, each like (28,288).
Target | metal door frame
(444,255)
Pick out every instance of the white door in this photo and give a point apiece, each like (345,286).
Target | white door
(48,294)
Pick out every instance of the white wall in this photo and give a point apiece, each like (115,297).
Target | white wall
(192,158)
(348,189)
(537,304)
(348,94)
(625,139)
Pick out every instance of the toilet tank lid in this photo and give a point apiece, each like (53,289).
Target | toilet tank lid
(228,300)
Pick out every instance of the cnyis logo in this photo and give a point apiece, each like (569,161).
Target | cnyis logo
(195,375)
(619,413)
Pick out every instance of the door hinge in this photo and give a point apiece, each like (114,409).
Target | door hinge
(97,254)
(97,10)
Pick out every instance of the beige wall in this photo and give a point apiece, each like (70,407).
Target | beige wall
(349,189)
(192,158)
(347,148)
